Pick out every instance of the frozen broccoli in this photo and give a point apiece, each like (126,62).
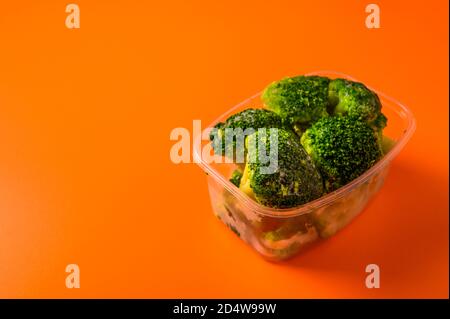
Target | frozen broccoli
(236,177)
(299,100)
(225,140)
(354,99)
(296,179)
(342,148)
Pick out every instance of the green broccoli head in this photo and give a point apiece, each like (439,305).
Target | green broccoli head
(354,99)
(342,148)
(298,100)
(224,138)
(294,182)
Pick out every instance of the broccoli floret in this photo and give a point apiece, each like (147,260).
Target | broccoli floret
(380,122)
(236,177)
(250,119)
(342,148)
(295,181)
(356,100)
(299,100)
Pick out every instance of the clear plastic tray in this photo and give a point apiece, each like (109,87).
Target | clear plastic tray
(278,234)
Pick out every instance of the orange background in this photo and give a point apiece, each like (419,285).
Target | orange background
(85,173)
